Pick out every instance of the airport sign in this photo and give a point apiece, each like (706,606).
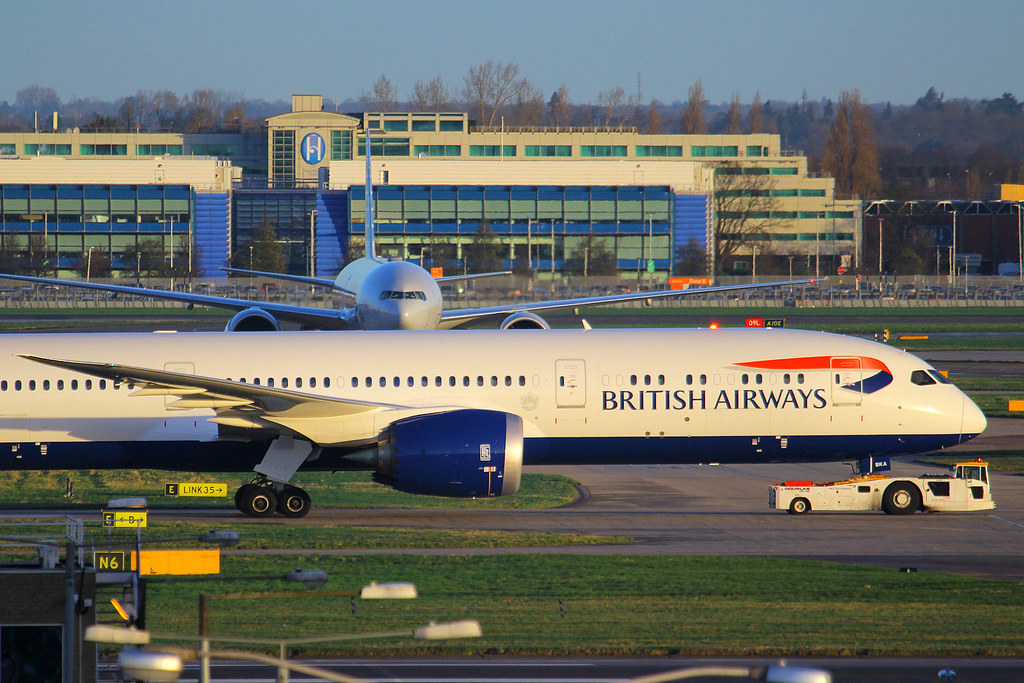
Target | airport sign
(124,518)
(110,561)
(196,489)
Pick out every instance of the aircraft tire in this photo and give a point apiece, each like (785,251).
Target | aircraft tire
(901,498)
(799,506)
(239,493)
(258,501)
(293,502)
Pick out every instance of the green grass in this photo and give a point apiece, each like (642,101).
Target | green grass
(996,404)
(998,461)
(332,490)
(617,605)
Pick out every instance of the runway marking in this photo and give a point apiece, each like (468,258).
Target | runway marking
(1011,523)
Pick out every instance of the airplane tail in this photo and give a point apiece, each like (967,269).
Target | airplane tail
(371,244)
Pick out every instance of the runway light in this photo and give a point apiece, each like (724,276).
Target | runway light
(713,325)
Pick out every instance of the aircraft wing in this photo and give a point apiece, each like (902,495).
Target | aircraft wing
(458,278)
(463,316)
(304,279)
(323,420)
(312,316)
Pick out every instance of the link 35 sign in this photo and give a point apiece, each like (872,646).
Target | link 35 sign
(314,149)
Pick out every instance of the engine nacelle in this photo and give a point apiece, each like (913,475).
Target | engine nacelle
(524,320)
(461,454)
(253,320)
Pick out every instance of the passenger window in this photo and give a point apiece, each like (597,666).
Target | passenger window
(396,382)
(632,380)
(355,382)
(383,382)
(522,380)
(465,381)
(88,385)
(3,385)
(689,380)
(508,380)
(74,385)
(312,382)
(479,381)
(451,380)
(703,379)
(661,380)
(799,378)
(368,382)
(494,381)
(423,381)
(60,385)
(298,382)
(270,381)
(437,381)
(327,382)
(785,378)
(647,380)
(744,379)
(17,385)
(410,381)
(103,384)
(284,382)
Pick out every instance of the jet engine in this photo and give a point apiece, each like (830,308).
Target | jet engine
(465,453)
(524,320)
(253,320)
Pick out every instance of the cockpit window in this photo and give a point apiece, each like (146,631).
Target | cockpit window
(921,378)
(939,377)
(395,294)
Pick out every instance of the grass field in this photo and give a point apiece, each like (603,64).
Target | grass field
(34,489)
(618,605)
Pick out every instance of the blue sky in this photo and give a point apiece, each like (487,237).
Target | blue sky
(889,50)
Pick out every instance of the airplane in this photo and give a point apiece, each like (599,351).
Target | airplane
(460,414)
(376,293)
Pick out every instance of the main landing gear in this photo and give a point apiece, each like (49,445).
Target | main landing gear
(262,498)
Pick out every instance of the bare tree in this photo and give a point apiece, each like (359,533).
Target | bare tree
(756,114)
(490,87)
(203,112)
(433,96)
(693,115)
(616,107)
(383,98)
(744,209)
(166,109)
(850,152)
(528,107)
(654,120)
(734,118)
(558,107)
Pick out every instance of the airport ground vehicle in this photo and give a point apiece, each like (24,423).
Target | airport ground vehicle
(966,489)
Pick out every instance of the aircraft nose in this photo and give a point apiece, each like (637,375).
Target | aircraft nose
(412,314)
(973,421)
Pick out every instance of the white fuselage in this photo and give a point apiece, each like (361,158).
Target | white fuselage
(584,396)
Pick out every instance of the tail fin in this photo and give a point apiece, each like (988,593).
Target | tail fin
(371,244)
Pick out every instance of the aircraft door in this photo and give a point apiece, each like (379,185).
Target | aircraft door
(846,377)
(570,384)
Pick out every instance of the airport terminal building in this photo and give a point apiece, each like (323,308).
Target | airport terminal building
(553,200)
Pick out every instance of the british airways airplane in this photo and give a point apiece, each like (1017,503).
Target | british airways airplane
(376,293)
(460,414)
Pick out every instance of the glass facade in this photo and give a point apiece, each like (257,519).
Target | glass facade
(289,212)
(626,222)
(68,221)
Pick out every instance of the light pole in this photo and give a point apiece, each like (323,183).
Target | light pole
(312,243)
(164,665)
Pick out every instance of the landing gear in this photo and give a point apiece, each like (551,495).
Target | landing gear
(257,501)
(293,502)
(263,498)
